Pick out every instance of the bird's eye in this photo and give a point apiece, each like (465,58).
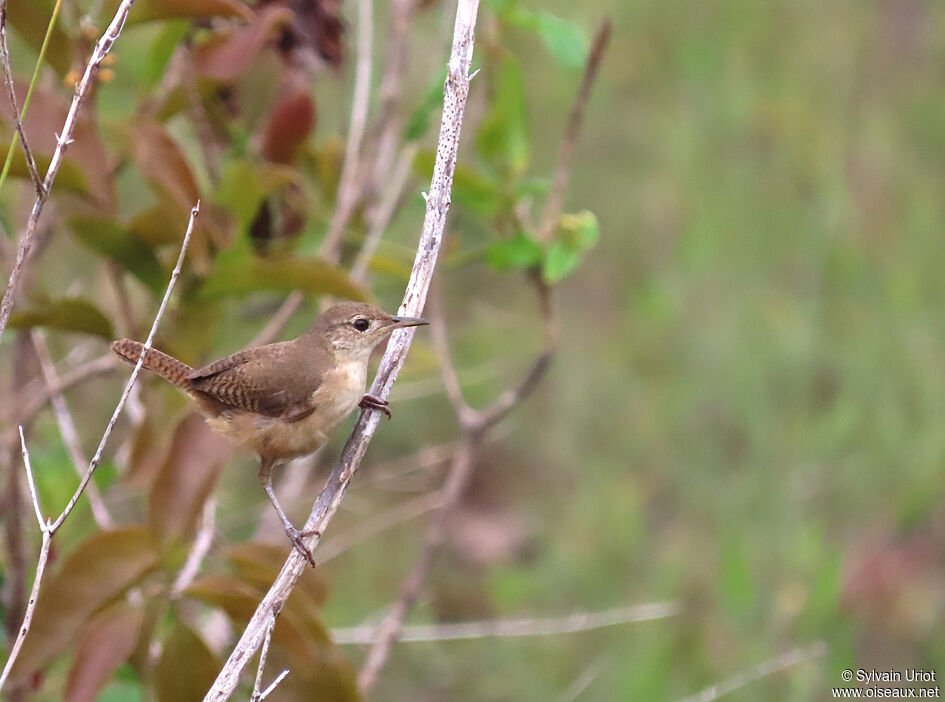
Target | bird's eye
(361,324)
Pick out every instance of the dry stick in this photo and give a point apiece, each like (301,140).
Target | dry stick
(49,529)
(562,172)
(348,183)
(438,202)
(384,212)
(391,92)
(769,667)
(390,628)
(11,91)
(198,549)
(476,423)
(507,628)
(63,139)
(378,524)
(70,437)
(257,695)
(46,530)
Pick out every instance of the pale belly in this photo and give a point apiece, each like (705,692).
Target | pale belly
(339,394)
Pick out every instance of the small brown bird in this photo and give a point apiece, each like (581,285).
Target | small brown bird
(285,399)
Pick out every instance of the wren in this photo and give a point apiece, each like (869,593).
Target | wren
(285,399)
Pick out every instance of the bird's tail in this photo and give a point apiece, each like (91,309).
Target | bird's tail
(167,367)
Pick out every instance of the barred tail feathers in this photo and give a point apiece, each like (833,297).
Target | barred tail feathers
(168,367)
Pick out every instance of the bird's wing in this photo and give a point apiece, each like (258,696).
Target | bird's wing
(272,380)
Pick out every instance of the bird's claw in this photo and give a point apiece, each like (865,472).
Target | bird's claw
(298,541)
(376,403)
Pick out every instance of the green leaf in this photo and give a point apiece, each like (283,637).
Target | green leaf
(503,136)
(560,260)
(66,314)
(187,667)
(283,273)
(160,51)
(99,569)
(564,40)
(244,185)
(582,229)
(419,121)
(521,251)
(107,237)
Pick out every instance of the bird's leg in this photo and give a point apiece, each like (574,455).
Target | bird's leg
(295,536)
(371,402)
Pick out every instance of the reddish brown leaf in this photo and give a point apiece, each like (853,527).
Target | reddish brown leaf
(186,477)
(258,564)
(225,57)
(86,167)
(239,599)
(187,667)
(290,123)
(105,643)
(146,10)
(98,570)
(163,164)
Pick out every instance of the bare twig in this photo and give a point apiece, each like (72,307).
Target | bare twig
(279,319)
(390,93)
(389,629)
(769,667)
(405,511)
(15,108)
(198,549)
(562,172)
(384,212)
(476,423)
(438,202)
(48,528)
(64,138)
(348,187)
(583,681)
(504,628)
(67,430)
(257,695)
(97,457)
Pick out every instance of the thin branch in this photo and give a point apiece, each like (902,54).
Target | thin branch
(15,108)
(257,695)
(562,172)
(405,511)
(507,628)
(70,437)
(198,549)
(389,629)
(762,670)
(348,187)
(438,330)
(48,528)
(476,423)
(384,212)
(64,138)
(97,457)
(438,203)
(583,681)
(288,308)
(47,533)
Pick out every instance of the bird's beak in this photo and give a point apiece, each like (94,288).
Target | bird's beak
(398,322)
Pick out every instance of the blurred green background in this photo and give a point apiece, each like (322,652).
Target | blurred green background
(746,416)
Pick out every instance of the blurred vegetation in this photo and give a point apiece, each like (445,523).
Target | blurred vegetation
(745,415)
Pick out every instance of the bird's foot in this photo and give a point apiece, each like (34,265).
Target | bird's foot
(371,402)
(298,541)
